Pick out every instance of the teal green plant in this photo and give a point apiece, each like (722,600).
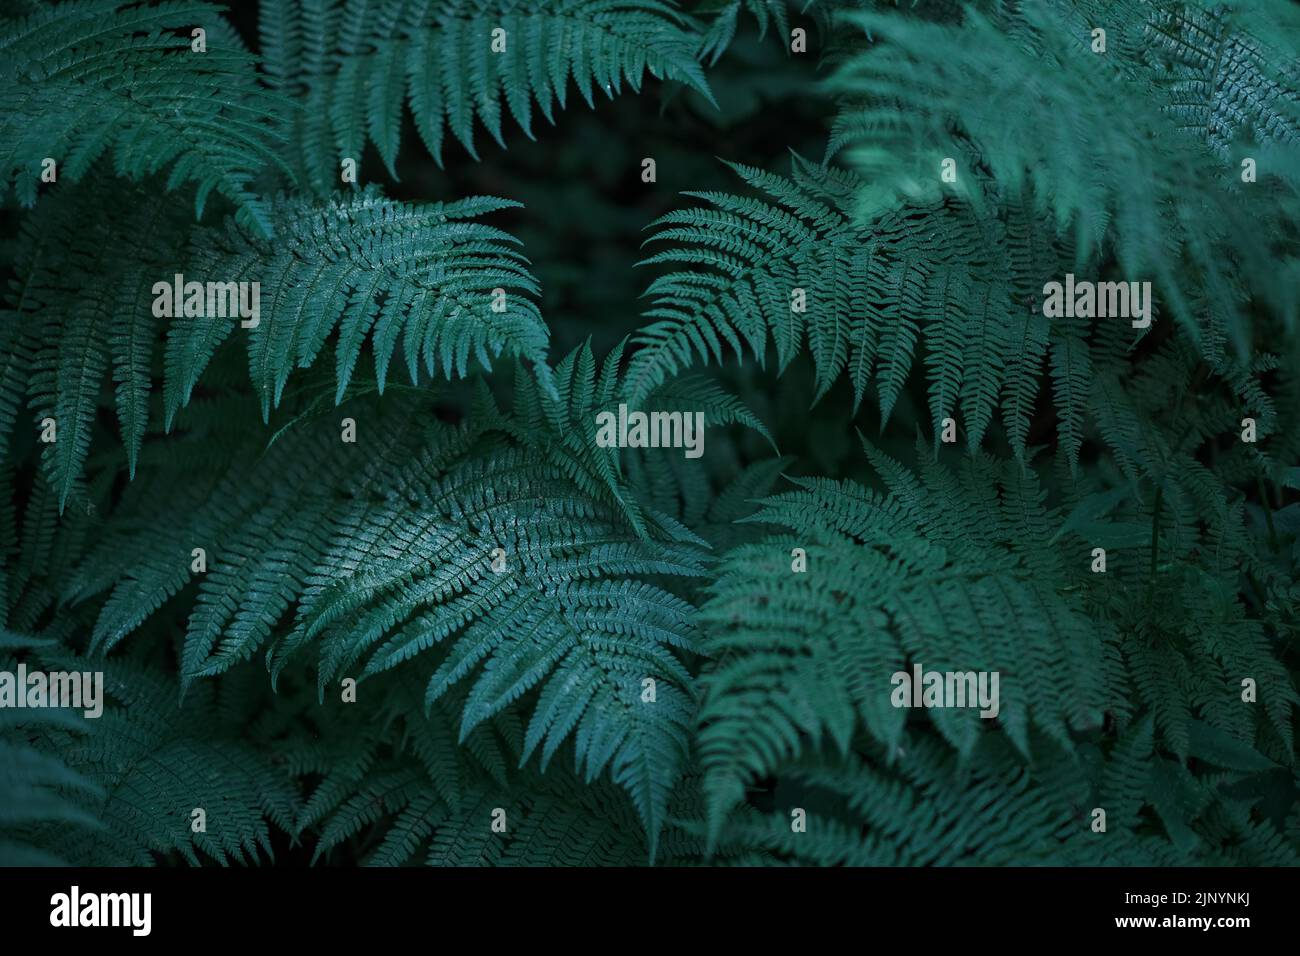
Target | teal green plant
(366,588)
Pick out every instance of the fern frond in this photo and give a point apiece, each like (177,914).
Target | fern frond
(354,71)
(933,573)
(448,290)
(125,785)
(774,14)
(478,542)
(89,76)
(1037,104)
(39,788)
(428,277)
(866,300)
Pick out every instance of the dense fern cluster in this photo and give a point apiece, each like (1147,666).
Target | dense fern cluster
(365,586)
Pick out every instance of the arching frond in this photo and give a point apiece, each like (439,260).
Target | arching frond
(456,66)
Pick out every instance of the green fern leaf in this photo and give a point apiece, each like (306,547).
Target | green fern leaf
(92,75)
(448,64)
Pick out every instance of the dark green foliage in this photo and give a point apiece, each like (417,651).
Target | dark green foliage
(365,587)
(1036,103)
(368,268)
(94,75)
(41,789)
(867,290)
(389,553)
(118,788)
(354,67)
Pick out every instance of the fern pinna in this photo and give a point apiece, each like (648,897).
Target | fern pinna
(317,454)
